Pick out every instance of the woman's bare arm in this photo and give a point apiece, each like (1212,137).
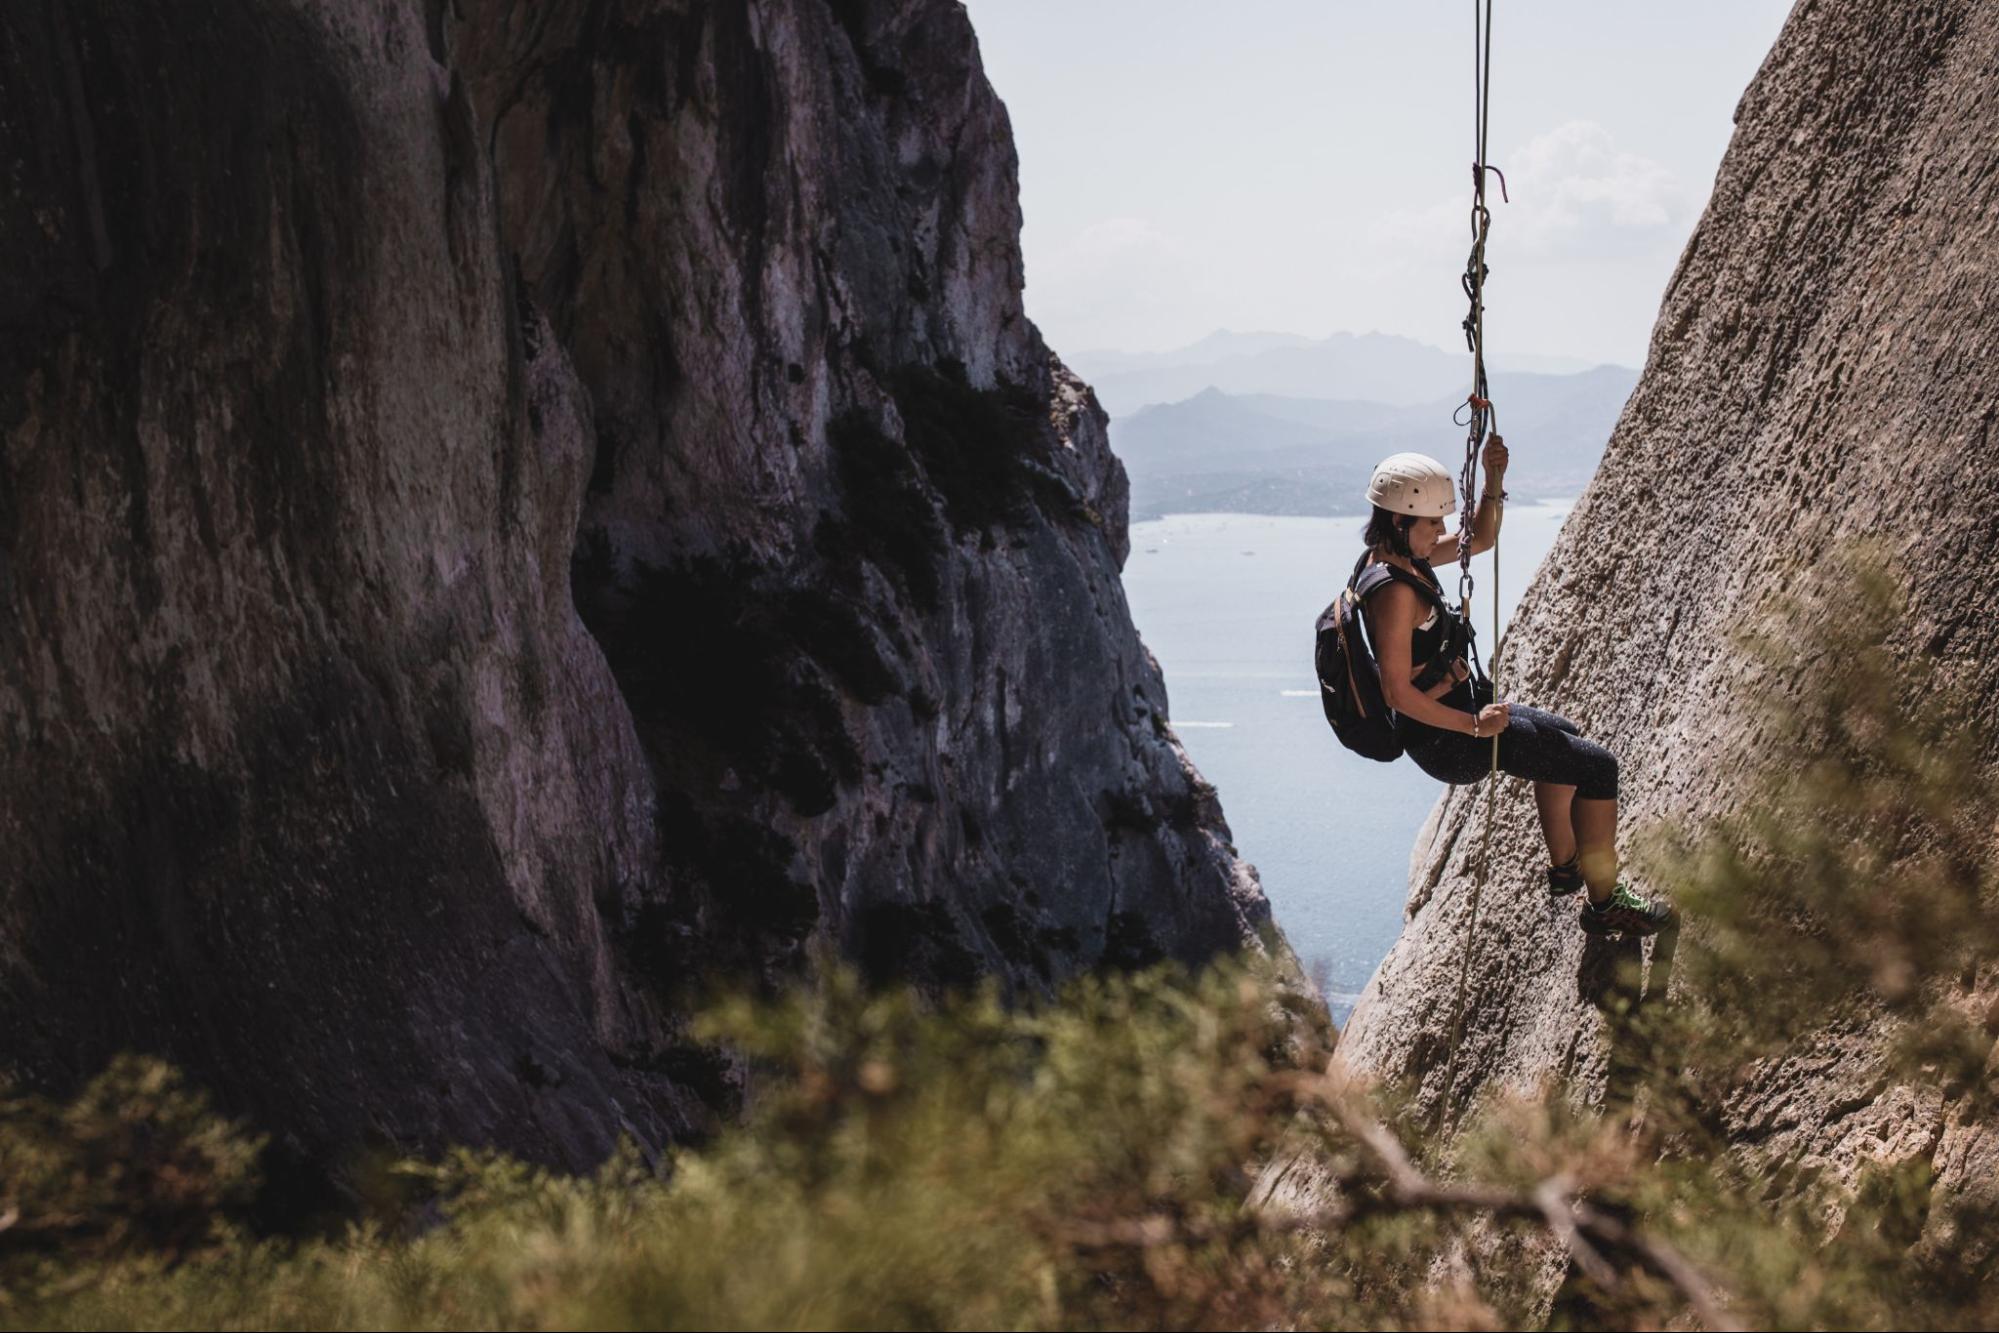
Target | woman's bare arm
(1484,528)
(1391,619)
(1485,522)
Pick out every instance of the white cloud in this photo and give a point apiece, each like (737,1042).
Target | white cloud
(1581,194)
(1574,194)
(1589,223)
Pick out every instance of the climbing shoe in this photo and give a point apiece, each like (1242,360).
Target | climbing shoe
(1565,878)
(1624,912)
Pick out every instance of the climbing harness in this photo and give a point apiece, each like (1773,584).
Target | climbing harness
(1479,422)
(1349,675)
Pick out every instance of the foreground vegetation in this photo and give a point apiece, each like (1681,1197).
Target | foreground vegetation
(1095,1162)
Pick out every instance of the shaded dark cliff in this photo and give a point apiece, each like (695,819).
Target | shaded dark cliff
(1823,369)
(509,513)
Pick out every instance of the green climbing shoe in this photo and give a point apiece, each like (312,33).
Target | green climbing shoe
(1565,878)
(1626,913)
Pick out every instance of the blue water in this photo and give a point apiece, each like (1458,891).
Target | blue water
(1226,602)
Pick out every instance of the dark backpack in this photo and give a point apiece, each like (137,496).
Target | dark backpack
(1349,679)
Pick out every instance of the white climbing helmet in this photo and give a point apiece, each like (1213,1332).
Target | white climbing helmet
(1412,484)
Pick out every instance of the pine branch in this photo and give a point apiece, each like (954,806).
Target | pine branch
(1587,1232)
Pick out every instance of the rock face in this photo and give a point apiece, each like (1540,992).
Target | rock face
(1822,368)
(509,513)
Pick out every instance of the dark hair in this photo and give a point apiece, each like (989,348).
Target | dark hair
(1389,530)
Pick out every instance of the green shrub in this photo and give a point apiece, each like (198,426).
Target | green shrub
(1854,891)
(1864,867)
(904,1165)
(137,1163)
(1095,1161)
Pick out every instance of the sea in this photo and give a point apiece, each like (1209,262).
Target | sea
(1227,604)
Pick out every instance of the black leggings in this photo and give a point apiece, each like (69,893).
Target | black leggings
(1536,744)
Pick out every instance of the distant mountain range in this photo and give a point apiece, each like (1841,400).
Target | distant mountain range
(1369,367)
(1276,454)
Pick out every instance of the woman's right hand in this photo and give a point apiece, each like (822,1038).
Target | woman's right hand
(1492,719)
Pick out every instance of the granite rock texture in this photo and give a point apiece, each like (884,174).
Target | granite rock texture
(1822,369)
(510,514)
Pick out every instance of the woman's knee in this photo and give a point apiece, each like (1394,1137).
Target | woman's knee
(1598,781)
(1541,717)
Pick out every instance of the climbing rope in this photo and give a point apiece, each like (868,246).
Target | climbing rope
(1478,426)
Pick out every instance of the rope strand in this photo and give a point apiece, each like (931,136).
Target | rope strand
(1479,426)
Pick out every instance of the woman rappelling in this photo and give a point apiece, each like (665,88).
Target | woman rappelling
(1422,691)
(1428,687)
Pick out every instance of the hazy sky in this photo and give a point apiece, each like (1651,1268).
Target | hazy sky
(1304,165)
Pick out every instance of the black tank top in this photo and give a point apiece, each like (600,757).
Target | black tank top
(1426,641)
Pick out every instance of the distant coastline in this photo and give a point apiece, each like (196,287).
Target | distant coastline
(1166,509)
(1295,431)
